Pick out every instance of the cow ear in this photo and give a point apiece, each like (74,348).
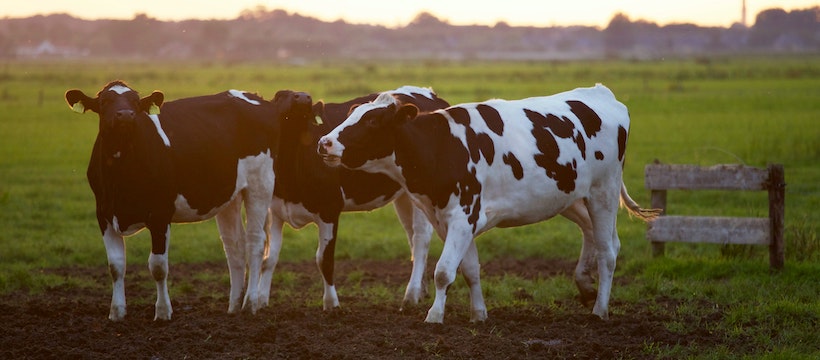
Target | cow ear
(151,103)
(318,113)
(353,107)
(80,102)
(406,113)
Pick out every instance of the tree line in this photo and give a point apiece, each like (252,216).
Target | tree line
(260,34)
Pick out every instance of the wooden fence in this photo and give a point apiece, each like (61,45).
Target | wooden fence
(721,230)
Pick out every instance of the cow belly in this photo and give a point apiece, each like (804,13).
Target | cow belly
(252,171)
(351,205)
(525,208)
(295,215)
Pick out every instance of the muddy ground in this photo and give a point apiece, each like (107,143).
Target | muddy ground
(70,321)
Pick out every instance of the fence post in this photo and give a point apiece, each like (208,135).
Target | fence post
(777,209)
(658,201)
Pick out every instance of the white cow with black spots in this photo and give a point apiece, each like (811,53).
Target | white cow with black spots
(476,166)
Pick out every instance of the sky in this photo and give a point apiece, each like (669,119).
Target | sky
(540,13)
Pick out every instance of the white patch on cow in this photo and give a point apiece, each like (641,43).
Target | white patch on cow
(155,120)
(246,173)
(241,95)
(294,214)
(131,230)
(119,89)
(411,91)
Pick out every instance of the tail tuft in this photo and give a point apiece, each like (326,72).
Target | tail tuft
(636,210)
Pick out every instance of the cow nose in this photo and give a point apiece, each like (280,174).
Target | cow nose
(323,145)
(302,98)
(124,114)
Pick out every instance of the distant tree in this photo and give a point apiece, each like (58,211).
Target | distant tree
(619,35)
(773,24)
(426,19)
(137,36)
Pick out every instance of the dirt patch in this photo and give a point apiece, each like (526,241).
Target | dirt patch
(69,322)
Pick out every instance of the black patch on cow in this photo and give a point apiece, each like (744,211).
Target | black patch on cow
(561,127)
(622,136)
(515,165)
(599,155)
(582,144)
(589,119)
(486,146)
(478,144)
(492,118)
(469,189)
(424,103)
(563,174)
(363,187)
(460,116)
(433,161)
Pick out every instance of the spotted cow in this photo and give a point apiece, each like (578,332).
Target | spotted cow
(476,166)
(308,192)
(200,157)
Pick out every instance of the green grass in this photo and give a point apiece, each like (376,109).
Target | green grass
(753,111)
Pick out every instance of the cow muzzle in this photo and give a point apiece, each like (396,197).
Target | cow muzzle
(327,151)
(302,99)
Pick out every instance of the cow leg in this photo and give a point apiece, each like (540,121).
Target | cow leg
(471,270)
(578,214)
(456,243)
(256,212)
(115,249)
(158,266)
(325,254)
(273,227)
(603,207)
(231,231)
(419,231)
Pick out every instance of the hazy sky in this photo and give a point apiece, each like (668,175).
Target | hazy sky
(399,13)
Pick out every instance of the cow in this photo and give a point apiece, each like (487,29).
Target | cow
(200,157)
(307,191)
(498,163)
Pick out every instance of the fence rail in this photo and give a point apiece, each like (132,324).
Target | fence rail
(721,230)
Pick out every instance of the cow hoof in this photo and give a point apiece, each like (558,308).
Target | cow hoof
(587,298)
(162,317)
(117,313)
(478,315)
(409,303)
(434,317)
(603,314)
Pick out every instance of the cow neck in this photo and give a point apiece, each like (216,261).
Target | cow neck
(297,158)
(415,149)
(432,160)
(144,146)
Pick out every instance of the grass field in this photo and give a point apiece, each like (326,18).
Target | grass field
(711,111)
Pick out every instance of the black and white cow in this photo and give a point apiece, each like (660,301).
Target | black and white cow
(201,157)
(476,166)
(307,192)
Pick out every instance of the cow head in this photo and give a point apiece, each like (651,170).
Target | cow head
(292,104)
(296,114)
(118,107)
(367,134)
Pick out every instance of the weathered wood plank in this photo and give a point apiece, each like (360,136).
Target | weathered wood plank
(717,230)
(693,177)
(777,213)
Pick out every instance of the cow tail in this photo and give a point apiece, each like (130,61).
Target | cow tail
(635,209)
